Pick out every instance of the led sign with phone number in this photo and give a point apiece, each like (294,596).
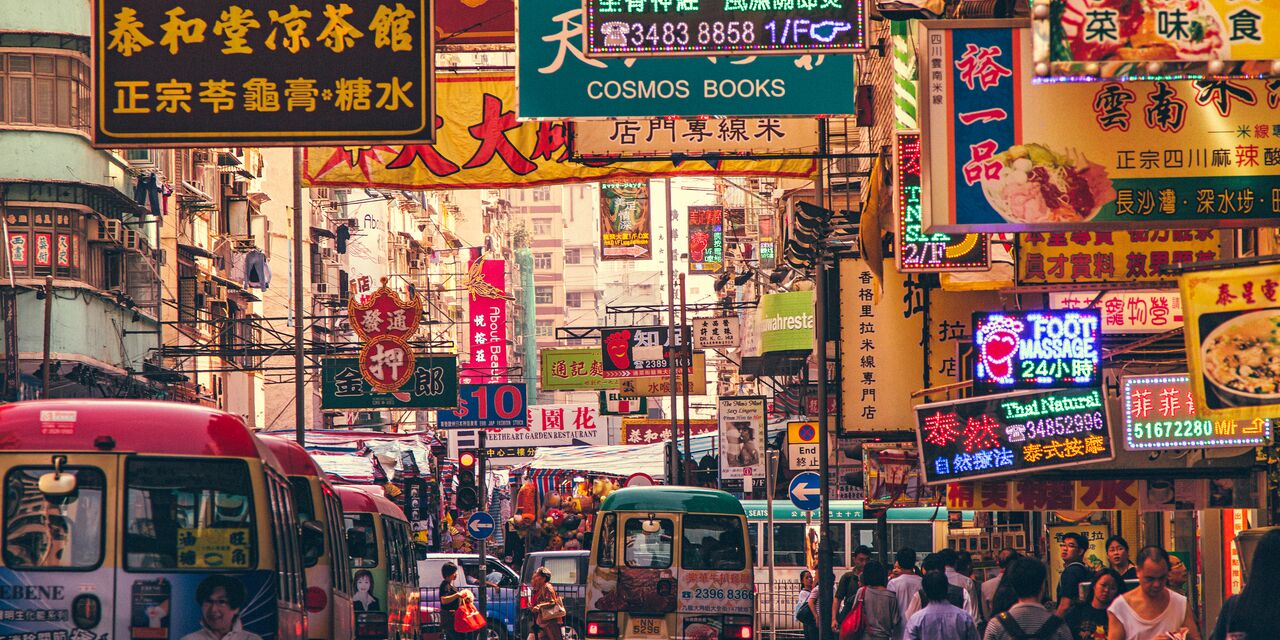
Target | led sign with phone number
(625,28)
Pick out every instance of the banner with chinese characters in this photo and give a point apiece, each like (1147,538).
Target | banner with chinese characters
(660,386)
(1120,40)
(480,144)
(433,385)
(1006,155)
(550,44)
(625,220)
(487,326)
(385,324)
(1140,311)
(742,433)
(646,431)
(630,352)
(706,239)
(915,250)
(1036,349)
(693,137)
(170,73)
(1159,412)
(876,388)
(1036,494)
(486,22)
(572,369)
(1232,317)
(559,425)
(1081,257)
(1012,433)
(716,333)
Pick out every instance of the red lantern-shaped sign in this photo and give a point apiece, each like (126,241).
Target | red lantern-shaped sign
(386,324)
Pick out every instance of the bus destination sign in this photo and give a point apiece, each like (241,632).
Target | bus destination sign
(651,28)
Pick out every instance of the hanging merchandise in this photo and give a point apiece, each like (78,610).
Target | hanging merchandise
(257,271)
(146,192)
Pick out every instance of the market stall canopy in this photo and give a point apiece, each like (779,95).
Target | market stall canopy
(618,460)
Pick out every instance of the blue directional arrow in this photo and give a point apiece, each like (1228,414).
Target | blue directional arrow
(806,491)
(480,525)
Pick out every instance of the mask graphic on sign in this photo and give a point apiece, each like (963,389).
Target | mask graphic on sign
(997,342)
(618,345)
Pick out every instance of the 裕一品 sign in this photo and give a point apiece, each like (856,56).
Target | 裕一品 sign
(255,72)
(1012,433)
(1003,154)
(619,28)
(1160,413)
(1037,349)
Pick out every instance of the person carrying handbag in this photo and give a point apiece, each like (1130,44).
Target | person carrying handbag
(548,609)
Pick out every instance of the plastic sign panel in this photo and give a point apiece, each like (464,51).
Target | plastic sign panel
(706,239)
(486,406)
(485,22)
(1012,433)
(1232,317)
(432,385)
(386,324)
(615,403)
(1159,412)
(549,44)
(487,320)
(633,352)
(786,321)
(645,431)
(660,386)
(1002,154)
(637,29)
(719,332)
(572,369)
(1080,257)
(802,446)
(742,434)
(1036,349)
(172,73)
(625,220)
(693,137)
(1141,311)
(1119,39)
(917,251)
(891,477)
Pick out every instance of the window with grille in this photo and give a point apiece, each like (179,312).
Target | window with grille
(44,89)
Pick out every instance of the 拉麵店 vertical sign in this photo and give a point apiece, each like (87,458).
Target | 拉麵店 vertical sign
(917,251)
(487,321)
(254,72)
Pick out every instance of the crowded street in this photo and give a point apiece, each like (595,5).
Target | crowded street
(639,320)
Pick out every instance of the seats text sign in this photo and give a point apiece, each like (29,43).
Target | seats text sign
(638,28)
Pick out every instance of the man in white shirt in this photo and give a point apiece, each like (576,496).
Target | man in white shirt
(906,585)
(956,594)
(949,560)
(1006,558)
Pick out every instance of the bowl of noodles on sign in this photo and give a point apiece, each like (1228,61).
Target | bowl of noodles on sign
(1040,186)
(1242,359)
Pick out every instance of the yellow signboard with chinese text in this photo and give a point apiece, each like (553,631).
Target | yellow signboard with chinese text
(1079,257)
(480,144)
(661,385)
(1232,320)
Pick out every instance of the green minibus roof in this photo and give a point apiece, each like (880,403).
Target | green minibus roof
(673,499)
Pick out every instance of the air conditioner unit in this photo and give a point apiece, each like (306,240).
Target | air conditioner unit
(320,289)
(417,264)
(243,245)
(130,241)
(105,231)
(328,253)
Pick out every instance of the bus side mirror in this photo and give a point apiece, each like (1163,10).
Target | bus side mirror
(311,539)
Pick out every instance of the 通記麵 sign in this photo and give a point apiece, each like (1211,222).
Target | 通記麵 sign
(255,72)
(1012,433)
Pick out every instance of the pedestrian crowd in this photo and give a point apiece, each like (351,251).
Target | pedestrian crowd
(1137,597)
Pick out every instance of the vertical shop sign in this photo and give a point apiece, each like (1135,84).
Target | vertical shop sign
(706,239)
(625,220)
(487,326)
(876,395)
(917,251)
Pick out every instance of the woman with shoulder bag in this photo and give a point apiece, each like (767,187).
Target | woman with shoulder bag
(548,609)
(807,606)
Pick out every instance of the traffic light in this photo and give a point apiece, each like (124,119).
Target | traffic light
(468,494)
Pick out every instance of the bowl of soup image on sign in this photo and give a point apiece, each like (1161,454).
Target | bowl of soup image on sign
(1037,185)
(1242,359)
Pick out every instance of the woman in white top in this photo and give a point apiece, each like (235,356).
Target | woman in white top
(1152,611)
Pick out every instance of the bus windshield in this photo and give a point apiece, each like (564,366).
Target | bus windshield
(188,514)
(712,543)
(42,532)
(647,543)
(362,522)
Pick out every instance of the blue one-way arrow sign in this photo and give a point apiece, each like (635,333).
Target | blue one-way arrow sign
(480,525)
(806,491)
